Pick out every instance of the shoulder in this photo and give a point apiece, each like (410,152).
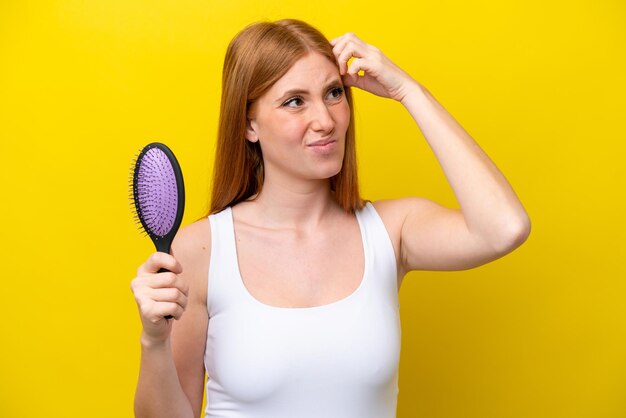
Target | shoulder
(193,240)
(394,212)
(192,248)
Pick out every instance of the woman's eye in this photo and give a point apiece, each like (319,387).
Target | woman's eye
(336,93)
(294,102)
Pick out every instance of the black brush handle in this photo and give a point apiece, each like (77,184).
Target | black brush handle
(164,245)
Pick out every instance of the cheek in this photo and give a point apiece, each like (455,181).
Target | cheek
(290,127)
(275,127)
(343,116)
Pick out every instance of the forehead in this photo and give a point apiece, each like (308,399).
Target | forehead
(312,70)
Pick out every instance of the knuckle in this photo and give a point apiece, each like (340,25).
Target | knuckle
(181,299)
(169,259)
(136,285)
(163,295)
(171,294)
(165,258)
(170,278)
(154,257)
(143,305)
(164,279)
(176,267)
(161,259)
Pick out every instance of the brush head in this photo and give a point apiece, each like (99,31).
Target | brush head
(158,194)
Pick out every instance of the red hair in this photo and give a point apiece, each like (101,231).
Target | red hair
(255,59)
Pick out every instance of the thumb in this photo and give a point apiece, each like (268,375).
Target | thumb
(353,80)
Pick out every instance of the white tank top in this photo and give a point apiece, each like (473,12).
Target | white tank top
(338,360)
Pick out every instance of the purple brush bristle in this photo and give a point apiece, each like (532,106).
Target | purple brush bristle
(157,194)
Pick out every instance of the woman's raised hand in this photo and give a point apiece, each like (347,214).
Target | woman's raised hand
(380,76)
(159,295)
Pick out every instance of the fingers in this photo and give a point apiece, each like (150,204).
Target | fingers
(165,280)
(369,69)
(169,295)
(357,65)
(155,312)
(159,295)
(347,46)
(159,303)
(352,80)
(363,56)
(158,260)
(345,38)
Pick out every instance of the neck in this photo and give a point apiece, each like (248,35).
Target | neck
(295,205)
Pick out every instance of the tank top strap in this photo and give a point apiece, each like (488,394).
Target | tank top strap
(380,252)
(223,265)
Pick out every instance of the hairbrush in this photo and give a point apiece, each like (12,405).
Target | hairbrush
(158,195)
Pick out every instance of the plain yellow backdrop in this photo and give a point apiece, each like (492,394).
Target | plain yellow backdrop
(540,85)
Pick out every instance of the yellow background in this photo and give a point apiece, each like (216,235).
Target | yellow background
(540,85)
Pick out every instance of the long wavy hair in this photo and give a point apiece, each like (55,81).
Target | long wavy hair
(256,58)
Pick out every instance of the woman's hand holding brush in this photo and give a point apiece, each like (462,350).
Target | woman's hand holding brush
(159,295)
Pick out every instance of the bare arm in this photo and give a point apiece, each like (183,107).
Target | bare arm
(171,373)
(159,393)
(189,334)
(491,221)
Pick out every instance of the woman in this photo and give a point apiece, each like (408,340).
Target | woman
(288,291)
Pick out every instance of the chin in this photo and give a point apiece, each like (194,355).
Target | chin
(331,172)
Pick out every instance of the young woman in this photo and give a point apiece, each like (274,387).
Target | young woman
(287,294)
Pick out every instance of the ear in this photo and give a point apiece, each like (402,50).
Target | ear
(251,134)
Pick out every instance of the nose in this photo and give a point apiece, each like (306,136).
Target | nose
(322,119)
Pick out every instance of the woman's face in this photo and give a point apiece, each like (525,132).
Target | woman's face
(301,121)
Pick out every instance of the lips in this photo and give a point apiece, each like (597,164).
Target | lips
(321,142)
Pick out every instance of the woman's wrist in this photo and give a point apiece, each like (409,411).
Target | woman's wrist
(412,91)
(150,343)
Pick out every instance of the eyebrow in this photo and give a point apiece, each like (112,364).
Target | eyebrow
(294,92)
